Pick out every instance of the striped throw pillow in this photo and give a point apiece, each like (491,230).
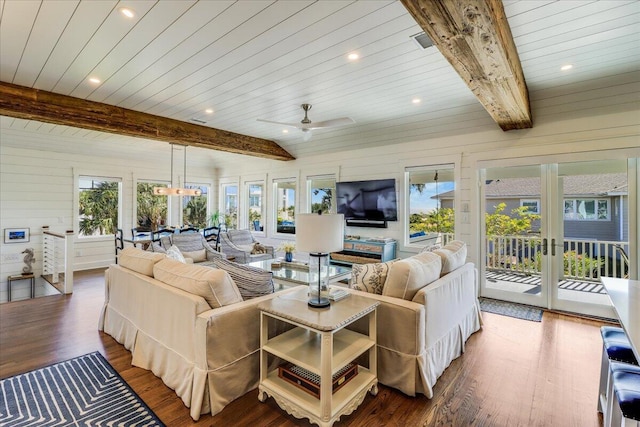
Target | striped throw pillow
(251,281)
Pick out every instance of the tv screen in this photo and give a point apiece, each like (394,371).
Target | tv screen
(372,200)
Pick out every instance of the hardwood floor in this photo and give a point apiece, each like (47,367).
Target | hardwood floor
(513,373)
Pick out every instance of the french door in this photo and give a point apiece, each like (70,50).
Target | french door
(552,230)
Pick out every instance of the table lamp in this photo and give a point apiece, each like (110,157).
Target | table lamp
(319,235)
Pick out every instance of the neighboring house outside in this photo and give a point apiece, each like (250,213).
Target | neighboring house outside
(594,205)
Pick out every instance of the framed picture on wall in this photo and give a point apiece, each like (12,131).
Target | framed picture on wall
(16,235)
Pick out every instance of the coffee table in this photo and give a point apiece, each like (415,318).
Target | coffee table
(294,274)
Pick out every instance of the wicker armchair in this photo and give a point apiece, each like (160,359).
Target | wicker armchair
(241,245)
(191,246)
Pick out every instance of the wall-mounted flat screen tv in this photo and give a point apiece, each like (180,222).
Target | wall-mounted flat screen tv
(370,200)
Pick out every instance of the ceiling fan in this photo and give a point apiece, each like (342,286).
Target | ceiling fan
(306,125)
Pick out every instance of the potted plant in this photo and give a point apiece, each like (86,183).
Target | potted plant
(288,248)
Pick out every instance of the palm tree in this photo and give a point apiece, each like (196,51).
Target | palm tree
(151,209)
(99,209)
(195,212)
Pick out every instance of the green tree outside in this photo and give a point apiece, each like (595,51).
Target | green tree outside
(99,209)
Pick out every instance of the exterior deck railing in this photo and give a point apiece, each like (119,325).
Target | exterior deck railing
(583,259)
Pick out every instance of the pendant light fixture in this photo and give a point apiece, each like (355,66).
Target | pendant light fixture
(177,191)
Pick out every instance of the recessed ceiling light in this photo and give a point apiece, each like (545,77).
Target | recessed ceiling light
(129,13)
(94,80)
(285,130)
(353,56)
(566,67)
(416,100)
(209,111)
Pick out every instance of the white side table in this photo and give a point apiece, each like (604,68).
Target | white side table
(320,344)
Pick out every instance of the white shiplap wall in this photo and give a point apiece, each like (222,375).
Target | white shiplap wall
(37,185)
(37,188)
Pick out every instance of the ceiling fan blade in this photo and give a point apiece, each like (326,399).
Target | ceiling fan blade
(343,121)
(293,125)
(307,134)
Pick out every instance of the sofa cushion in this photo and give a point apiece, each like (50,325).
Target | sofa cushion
(453,254)
(251,281)
(139,261)
(369,277)
(406,277)
(197,256)
(174,253)
(214,285)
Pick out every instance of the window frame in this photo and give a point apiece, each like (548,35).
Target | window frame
(222,202)
(536,201)
(310,187)
(275,187)
(449,163)
(206,193)
(78,176)
(574,213)
(246,222)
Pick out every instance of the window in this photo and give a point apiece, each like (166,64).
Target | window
(321,191)
(99,206)
(194,208)
(285,205)
(430,209)
(151,210)
(256,206)
(586,209)
(532,205)
(230,206)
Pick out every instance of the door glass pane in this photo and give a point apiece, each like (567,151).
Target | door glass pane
(513,256)
(593,232)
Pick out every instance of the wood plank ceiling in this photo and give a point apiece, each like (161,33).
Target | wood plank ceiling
(261,59)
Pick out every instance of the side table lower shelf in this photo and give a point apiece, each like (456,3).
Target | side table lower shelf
(303,405)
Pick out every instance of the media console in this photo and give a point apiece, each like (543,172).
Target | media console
(365,251)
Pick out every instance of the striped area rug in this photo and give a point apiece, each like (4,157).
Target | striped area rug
(84,391)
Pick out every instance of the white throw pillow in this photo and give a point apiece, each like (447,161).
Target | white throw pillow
(406,277)
(369,277)
(174,253)
(453,254)
(197,256)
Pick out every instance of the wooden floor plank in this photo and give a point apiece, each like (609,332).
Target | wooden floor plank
(514,372)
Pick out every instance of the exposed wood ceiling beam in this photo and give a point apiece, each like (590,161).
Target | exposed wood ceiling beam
(33,104)
(475,37)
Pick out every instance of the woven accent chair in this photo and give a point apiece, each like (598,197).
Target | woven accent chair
(189,244)
(240,244)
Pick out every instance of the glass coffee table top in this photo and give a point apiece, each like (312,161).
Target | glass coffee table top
(298,273)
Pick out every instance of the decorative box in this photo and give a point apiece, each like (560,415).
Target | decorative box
(310,382)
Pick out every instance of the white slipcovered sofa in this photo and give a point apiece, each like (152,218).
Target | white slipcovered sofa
(188,324)
(428,309)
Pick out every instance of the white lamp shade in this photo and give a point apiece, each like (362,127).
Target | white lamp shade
(319,233)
